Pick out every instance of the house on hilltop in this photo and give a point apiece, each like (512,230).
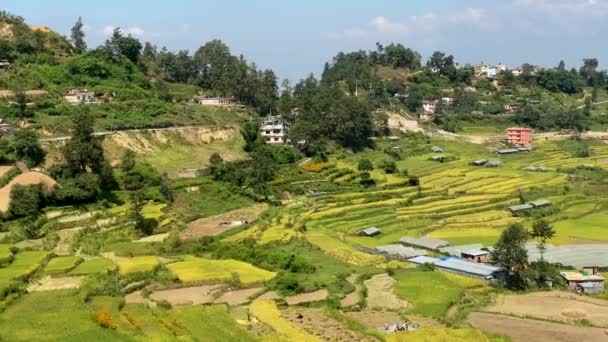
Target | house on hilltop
(216,101)
(274,130)
(79,96)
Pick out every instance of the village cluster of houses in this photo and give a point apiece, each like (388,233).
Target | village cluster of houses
(84,96)
(473,261)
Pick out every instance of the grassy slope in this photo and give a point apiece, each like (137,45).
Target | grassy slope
(52,316)
(211,198)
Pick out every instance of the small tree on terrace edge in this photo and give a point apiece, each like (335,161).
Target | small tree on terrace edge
(542,231)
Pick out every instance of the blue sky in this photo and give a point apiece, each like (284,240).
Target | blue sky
(296,38)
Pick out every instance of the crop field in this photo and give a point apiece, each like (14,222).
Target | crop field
(138,264)
(23,264)
(432,293)
(198,270)
(93,266)
(268,313)
(61,264)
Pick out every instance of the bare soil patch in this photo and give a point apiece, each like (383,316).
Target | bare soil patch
(315,296)
(380,293)
(28,178)
(314,322)
(526,330)
(137,297)
(555,306)
(216,225)
(5,169)
(204,294)
(50,284)
(65,240)
(270,295)
(239,296)
(353,297)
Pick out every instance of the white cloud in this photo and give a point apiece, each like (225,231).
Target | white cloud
(108,30)
(86,28)
(351,33)
(135,31)
(384,25)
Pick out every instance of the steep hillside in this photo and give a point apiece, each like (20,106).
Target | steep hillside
(21,41)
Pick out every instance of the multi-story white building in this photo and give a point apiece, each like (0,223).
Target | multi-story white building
(274,130)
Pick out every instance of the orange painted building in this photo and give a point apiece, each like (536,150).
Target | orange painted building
(518,135)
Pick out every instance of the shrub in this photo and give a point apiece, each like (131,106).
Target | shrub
(413,181)
(365,165)
(104,319)
(164,304)
(388,166)
(314,167)
(427,266)
(287,283)
(26,200)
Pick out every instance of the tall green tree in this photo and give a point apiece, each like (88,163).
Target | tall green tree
(83,152)
(26,147)
(26,200)
(263,170)
(542,231)
(509,251)
(78,35)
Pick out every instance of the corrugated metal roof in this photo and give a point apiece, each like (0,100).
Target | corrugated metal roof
(425,242)
(370,231)
(400,250)
(507,150)
(576,276)
(457,250)
(519,207)
(420,260)
(540,203)
(475,252)
(468,267)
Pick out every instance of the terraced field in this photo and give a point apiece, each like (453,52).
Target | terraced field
(454,201)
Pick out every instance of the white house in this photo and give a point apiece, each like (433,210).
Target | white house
(448,101)
(79,96)
(4,64)
(516,71)
(216,101)
(428,110)
(274,130)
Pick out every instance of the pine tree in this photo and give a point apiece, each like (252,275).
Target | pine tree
(78,37)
